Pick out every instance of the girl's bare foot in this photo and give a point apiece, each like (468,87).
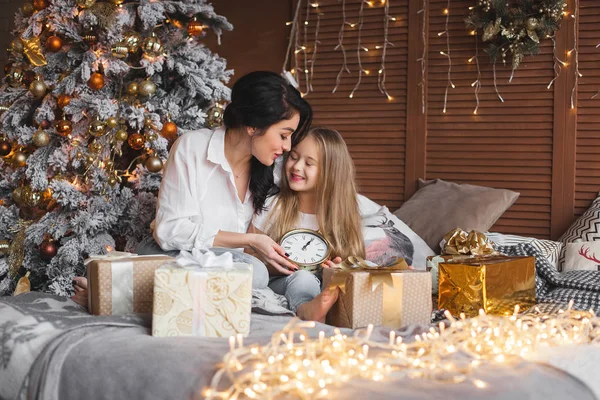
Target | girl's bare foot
(81,291)
(317,308)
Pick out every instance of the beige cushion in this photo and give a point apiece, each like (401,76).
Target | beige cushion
(440,206)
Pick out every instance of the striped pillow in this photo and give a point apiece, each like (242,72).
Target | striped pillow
(586,228)
(550,249)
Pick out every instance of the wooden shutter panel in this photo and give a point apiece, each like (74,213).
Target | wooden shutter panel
(506,145)
(587,180)
(373,126)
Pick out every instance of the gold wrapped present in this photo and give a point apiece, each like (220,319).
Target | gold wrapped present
(391,296)
(495,284)
(196,301)
(122,283)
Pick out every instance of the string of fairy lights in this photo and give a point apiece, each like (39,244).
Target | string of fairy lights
(312,21)
(296,364)
(306,65)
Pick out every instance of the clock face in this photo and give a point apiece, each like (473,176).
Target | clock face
(305,247)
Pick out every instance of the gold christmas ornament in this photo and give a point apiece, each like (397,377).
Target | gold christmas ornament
(214,116)
(63,100)
(112,122)
(133,40)
(89,160)
(151,136)
(64,127)
(96,81)
(38,88)
(169,130)
(154,164)
(109,164)
(27,9)
(17,196)
(152,46)
(147,88)
(19,159)
(97,128)
(195,28)
(121,135)
(5,147)
(86,3)
(31,198)
(33,51)
(95,147)
(132,88)
(40,138)
(90,37)
(120,49)
(112,181)
(136,141)
(15,76)
(16,45)
(117,2)
(40,4)
(54,44)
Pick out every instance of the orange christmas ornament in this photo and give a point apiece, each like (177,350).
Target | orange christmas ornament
(96,81)
(63,100)
(54,44)
(136,141)
(169,130)
(195,27)
(64,127)
(40,4)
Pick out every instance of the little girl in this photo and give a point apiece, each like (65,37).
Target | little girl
(318,192)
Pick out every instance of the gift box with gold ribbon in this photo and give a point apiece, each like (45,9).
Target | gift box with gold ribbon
(122,283)
(495,284)
(459,242)
(392,296)
(195,297)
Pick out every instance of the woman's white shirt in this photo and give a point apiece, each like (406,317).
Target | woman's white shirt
(198,197)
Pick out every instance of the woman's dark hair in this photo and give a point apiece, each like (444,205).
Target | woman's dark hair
(259,100)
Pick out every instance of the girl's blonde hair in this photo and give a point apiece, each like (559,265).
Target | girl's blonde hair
(337,208)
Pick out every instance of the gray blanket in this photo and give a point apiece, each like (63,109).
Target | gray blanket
(52,349)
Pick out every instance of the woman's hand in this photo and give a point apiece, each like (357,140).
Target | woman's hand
(332,264)
(272,253)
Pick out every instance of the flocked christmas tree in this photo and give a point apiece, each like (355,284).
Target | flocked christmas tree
(94,93)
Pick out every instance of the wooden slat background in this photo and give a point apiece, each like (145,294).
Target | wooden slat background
(373,126)
(532,142)
(587,179)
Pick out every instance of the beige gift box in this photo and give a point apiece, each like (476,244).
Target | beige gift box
(406,301)
(195,301)
(122,283)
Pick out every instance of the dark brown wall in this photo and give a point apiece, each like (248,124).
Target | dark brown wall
(259,38)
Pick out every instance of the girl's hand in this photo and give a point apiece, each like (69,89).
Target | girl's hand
(332,264)
(272,253)
(81,291)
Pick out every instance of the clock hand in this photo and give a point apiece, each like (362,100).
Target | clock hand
(306,245)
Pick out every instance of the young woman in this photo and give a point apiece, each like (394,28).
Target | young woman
(318,192)
(214,181)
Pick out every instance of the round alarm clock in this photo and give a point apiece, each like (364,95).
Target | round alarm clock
(306,248)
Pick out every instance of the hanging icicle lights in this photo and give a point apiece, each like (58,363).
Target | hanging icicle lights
(446,32)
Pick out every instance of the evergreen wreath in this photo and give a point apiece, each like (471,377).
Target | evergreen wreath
(515,27)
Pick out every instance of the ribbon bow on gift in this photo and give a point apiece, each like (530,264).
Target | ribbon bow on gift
(460,242)
(206,259)
(378,275)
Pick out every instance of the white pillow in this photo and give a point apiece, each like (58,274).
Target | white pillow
(549,248)
(582,256)
(366,206)
(387,237)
